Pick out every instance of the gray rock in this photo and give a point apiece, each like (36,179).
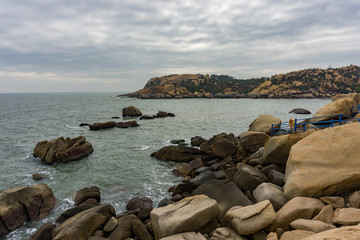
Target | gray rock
(248,178)
(271,192)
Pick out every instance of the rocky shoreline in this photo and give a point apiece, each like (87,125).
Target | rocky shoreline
(252,186)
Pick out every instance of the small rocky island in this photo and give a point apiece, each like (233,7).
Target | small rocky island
(308,83)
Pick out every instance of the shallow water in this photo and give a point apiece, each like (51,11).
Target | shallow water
(120,164)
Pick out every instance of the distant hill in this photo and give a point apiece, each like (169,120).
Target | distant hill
(308,83)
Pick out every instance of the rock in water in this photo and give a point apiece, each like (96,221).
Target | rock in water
(62,150)
(103,125)
(326,163)
(178,154)
(22,204)
(300,111)
(131,112)
(127,124)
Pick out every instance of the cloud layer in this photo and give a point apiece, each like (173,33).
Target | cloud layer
(63,45)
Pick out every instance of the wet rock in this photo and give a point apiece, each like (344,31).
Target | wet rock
(131,111)
(300,111)
(84,124)
(84,224)
(197,141)
(164,202)
(161,114)
(115,117)
(277,178)
(129,124)
(44,232)
(177,141)
(86,193)
(142,205)
(62,150)
(38,176)
(223,148)
(102,125)
(146,117)
(170,114)
(22,204)
(178,154)
(72,212)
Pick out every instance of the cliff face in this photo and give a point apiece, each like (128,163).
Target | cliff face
(311,83)
(308,83)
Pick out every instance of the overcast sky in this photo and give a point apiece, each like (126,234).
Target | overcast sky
(117,45)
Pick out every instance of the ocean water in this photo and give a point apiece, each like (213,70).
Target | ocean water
(120,164)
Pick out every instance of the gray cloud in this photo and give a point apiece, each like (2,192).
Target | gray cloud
(63,45)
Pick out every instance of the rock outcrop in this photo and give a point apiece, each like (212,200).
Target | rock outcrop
(131,111)
(23,204)
(62,150)
(178,154)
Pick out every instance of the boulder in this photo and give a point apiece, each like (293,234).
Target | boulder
(38,176)
(248,178)
(251,219)
(277,149)
(129,124)
(225,192)
(300,111)
(197,141)
(326,163)
(131,112)
(84,224)
(343,233)
(251,141)
(296,208)
(347,216)
(335,202)
(226,233)
(21,204)
(326,215)
(315,226)
(205,146)
(161,114)
(102,125)
(189,214)
(203,177)
(44,232)
(340,106)
(276,178)
(271,192)
(83,194)
(223,148)
(178,154)
(263,123)
(72,212)
(142,205)
(185,236)
(354,199)
(62,150)
(128,226)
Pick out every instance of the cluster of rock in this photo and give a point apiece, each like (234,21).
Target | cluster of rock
(62,150)
(308,83)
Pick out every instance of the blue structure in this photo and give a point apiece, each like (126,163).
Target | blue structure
(300,125)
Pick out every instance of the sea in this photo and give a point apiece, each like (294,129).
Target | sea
(121,165)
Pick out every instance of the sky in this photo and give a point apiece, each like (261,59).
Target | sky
(118,45)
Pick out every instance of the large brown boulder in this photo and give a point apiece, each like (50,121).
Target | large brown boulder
(189,214)
(223,148)
(22,204)
(62,150)
(84,224)
(128,226)
(178,154)
(131,111)
(339,106)
(86,193)
(263,123)
(325,163)
(248,178)
(251,141)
